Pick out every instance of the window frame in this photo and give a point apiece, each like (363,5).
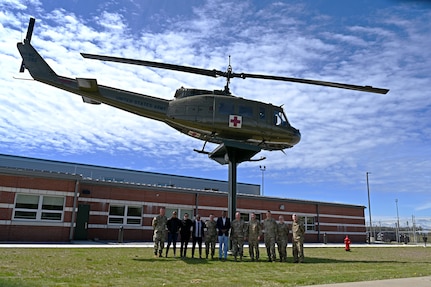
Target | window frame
(310,226)
(125,218)
(245,217)
(39,212)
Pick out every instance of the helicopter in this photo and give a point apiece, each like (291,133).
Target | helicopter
(215,116)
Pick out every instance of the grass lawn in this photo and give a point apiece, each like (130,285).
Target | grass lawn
(25,267)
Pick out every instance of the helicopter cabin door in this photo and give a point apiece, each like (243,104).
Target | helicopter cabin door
(195,109)
(264,119)
(203,108)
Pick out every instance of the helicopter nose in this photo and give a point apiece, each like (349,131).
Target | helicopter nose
(296,135)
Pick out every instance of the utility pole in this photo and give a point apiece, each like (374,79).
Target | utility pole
(398,222)
(369,208)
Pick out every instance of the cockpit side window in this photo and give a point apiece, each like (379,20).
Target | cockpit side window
(226,108)
(280,119)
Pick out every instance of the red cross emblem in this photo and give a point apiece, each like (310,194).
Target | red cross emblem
(235,121)
(194,134)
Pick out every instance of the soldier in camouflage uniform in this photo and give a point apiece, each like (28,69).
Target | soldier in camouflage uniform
(159,226)
(254,232)
(298,231)
(237,234)
(270,231)
(282,234)
(210,236)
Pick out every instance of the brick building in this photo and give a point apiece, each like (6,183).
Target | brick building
(48,205)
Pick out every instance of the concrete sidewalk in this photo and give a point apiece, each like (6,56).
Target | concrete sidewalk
(410,282)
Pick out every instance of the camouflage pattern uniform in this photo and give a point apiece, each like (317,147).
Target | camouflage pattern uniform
(298,231)
(282,234)
(210,237)
(270,230)
(237,234)
(254,231)
(159,227)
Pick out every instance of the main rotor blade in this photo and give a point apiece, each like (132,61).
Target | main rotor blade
(199,71)
(314,82)
(229,75)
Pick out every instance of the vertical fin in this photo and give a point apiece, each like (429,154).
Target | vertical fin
(32,61)
(28,39)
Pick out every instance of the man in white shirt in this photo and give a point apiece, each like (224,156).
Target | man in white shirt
(197,235)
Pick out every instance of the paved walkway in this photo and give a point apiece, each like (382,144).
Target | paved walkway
(410,282)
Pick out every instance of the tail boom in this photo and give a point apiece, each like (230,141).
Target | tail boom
(89,89)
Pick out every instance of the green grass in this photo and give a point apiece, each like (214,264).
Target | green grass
(27,267)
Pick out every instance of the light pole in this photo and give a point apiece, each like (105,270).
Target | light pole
(398,222)
(369,208)
(262,168)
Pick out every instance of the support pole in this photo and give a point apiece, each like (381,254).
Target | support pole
(233,153)
(233,164)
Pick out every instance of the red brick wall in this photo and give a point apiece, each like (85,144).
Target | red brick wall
(29,233)
(102,193)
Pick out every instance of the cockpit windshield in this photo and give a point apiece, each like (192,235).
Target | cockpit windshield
(280,119)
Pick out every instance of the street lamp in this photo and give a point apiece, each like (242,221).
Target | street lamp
(369,207)
(398,222)
(262,168)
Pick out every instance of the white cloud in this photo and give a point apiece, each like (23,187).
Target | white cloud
(344,133)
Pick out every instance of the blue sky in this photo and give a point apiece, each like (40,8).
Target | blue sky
(344,133)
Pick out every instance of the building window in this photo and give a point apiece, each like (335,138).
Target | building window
(245,217)
(52,208)
(169,212)
(124,214)
(309,224)
(258,217)
(39,207)
(181,213)
(134,215)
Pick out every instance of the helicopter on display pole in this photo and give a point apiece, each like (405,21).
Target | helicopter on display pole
(212,116)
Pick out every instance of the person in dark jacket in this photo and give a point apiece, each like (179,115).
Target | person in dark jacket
(173,225)
(223,227)
(185,232)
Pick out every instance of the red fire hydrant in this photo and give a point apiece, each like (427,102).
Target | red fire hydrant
(347,243)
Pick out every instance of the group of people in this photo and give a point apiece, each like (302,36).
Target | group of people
(223,229)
